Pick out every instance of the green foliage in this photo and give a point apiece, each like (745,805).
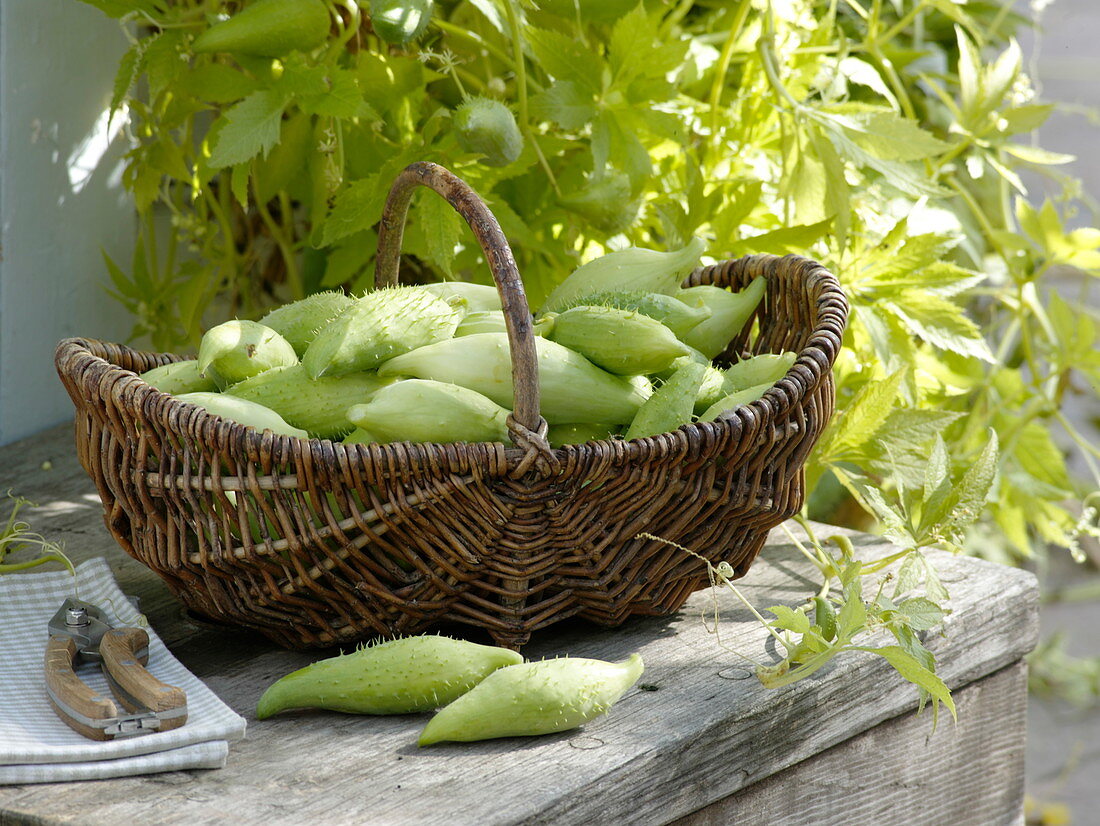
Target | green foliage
(886,138)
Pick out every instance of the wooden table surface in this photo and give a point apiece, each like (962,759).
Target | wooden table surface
(698,728)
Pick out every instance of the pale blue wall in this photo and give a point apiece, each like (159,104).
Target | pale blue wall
(57,63)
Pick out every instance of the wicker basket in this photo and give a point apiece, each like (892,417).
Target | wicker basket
(317,544)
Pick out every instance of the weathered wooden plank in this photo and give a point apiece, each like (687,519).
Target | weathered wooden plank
(902,773)
(707,731)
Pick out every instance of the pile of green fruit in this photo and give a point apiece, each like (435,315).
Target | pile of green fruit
(621,349)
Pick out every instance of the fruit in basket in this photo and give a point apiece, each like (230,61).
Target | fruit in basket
(402,676)
(243,412)
(488,128)
(400,21)
(620,341)
(359,436)
(299,321)
(576,433)
(766,368)
(317,405)
(729,312)
(420,410)
(179,377)
(479,298)
(671,405)
(268,28)
(491,321)
(238,349)
(732,401)
(534,698)
(634,269)
(571,388)
(380,325)
(670,311)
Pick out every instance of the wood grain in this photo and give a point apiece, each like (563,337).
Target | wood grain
(703,729)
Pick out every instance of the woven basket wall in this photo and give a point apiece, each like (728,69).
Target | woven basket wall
(314,543)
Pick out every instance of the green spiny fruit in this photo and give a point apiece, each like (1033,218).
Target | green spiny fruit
(479,298)
(633,269)
(534,698)
(491,321)
(671,404)
(729,312)
(488,128)
(360,436)
(571,388)
(317,405)
(402,676)
(299,321)
(577,433)
(238,349)
(670,311)
(620,341)
(400,21)
(268,28)
(766,368)
(179,377)
(420,410)
(380,325)
(733,400)
(243,412)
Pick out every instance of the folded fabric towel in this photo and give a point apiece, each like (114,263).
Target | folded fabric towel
(36,746)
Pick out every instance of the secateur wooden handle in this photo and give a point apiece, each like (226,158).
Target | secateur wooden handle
(151,704)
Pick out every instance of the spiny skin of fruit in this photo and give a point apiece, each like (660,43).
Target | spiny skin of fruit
(179,377)
(534,698)
(419,410)
(317,405)
(401,676)
(671,405)
(630,269)
(243,412)
(487,127)
(729,313)
(670,311)
(620,341)
(571,388)
(399,22)
(268,28)
(479,297)
(299,321)
(379,326)
(239,349)
(733,401)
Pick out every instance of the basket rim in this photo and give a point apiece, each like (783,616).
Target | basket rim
(814,361)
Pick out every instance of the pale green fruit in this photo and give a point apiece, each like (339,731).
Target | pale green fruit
(179,377)
(620,341)
(243,412)
(671,404)
(419,410)
(238,349)
(734,400)
(729,312)
(300,321)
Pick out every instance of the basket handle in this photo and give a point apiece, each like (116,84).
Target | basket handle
(525,423)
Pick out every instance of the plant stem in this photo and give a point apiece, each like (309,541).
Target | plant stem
(521,89)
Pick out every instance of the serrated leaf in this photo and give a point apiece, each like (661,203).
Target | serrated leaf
(868,410)
(346,261)
(974,487)
(1036,453)
(251,128)
(357,208)
(565,58)
(1037,155)
(937,480)
(129,68)
(565,103)
(238,183)
(940,322)
(852,616)
(789,619)
(921,613)
(442,229)
(910,669)
(217,83)
(883,133)
(794,239)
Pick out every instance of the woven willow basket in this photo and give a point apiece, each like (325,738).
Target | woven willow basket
(315,543)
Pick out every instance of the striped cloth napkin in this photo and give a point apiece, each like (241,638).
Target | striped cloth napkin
(36,747)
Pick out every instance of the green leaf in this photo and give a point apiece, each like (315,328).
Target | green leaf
(852,617)
(940,322)
(907,666)
(565,103)
(974,487)
(921,613)
(347,260)
(1037,454)
(884,133)
(868,410)
(1037,155)
(442,229)
(217,83)
(251,128)
(357,208)
(129,68)
(238,183)
(565,58)
(789,619)
(795,239)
